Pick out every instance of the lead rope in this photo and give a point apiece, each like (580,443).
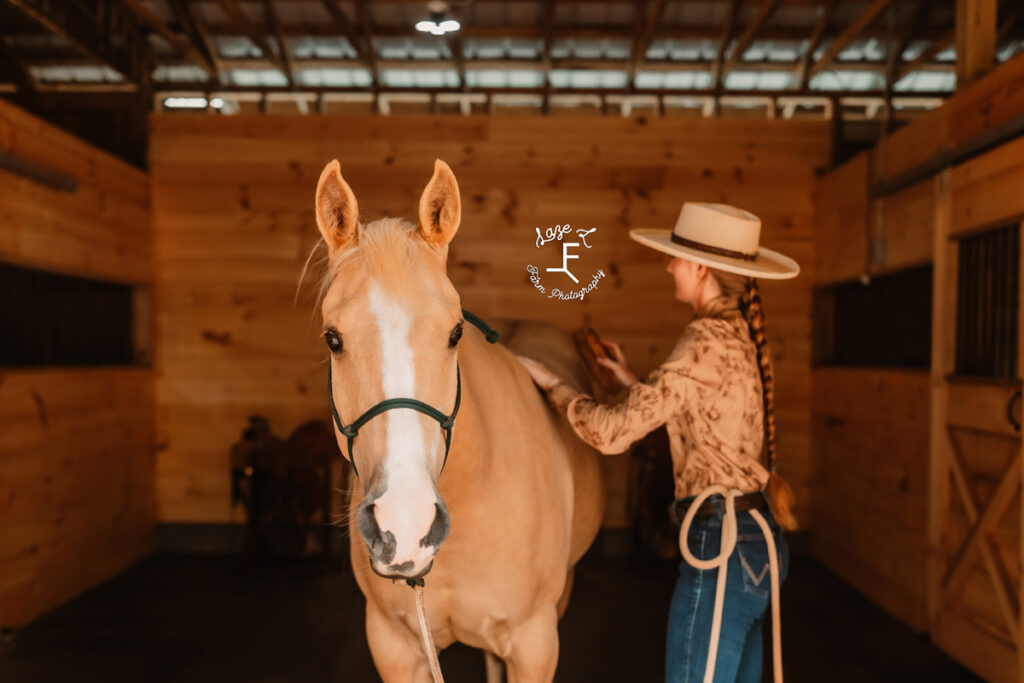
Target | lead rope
(721,563)
(428,639)
(417,585)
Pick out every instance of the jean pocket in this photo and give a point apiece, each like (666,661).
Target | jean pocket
(755,569)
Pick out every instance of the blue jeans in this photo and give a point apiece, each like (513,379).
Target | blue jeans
(747,597)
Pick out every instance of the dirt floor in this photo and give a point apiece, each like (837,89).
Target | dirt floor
(194,619)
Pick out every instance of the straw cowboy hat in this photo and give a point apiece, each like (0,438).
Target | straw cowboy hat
(722,237)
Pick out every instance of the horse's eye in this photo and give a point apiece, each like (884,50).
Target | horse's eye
(333,341)
(456,335)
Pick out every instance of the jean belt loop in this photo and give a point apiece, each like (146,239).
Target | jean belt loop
(717,501)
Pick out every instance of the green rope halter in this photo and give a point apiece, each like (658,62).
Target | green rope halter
(447,422)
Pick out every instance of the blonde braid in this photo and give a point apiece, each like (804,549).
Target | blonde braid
(750,304)
(747,297)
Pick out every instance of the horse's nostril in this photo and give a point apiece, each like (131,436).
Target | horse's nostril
(381,544)
(438,528)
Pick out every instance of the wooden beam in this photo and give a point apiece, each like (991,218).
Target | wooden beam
(549,37)
(183,46)
(19,75)
(458,52)
(896,48)
(366,26)
(246,28)
(90,29)
(927,55)
(643,36)
(800,75)
(975,39)
(723,44)
(282,47)
(978,539)
(1007,27)
(847,36)
(536,32)
(367,55)
(759,95)
(744,41)
(190,21)
(58,58)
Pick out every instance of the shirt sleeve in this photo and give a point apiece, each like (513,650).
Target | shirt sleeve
(614,428)
(686,376)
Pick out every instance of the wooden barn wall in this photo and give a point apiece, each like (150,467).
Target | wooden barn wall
(870,510)
(233,216)
(872,427)
(76,445)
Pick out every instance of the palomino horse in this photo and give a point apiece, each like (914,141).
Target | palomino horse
(521,497)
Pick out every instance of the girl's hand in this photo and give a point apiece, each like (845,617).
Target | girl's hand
(543,377)
(619,367)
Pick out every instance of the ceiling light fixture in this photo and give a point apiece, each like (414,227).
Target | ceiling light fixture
(192,102)
(439,23)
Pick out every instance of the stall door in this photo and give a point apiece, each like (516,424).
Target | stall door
(975,505)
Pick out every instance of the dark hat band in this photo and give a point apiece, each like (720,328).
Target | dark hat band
(700,246)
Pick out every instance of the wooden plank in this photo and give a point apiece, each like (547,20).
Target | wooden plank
(944,269)
(870,446)
(100,230)
(74,516)
(975,38)
(904,231)
(986,189)
(1019,634)
(841,209)
(987,103)
(848,35)
(981,407)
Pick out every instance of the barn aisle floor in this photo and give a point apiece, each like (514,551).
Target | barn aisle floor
(176,618)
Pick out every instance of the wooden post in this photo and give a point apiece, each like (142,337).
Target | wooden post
(975,39)
(943,331)
(1020,373)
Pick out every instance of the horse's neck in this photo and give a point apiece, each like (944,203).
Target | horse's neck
(486,373)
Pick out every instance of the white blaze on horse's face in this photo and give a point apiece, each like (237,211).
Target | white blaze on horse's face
(409,505)
(391,316)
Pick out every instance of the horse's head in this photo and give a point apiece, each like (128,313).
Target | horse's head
(392,322)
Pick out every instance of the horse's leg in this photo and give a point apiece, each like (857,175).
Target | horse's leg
(535,648)
(397,652)
(495,668)
(563,602)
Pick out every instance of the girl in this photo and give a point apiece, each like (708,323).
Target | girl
(715,396)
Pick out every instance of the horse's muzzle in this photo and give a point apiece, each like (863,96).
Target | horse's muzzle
(392,559)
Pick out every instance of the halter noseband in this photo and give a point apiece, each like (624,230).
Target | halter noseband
(447,422)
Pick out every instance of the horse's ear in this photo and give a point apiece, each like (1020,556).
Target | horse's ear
(440,206)
(337,213)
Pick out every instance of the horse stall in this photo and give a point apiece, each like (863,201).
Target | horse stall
(192,360)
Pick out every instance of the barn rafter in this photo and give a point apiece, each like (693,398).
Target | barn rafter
(106,34)
(807,47)
(179,43)
(241,24)
(270,14)
(748,35)
(846,37)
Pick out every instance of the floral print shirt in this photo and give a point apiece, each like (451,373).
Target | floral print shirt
(708,396)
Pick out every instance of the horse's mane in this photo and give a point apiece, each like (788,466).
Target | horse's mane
(389,248)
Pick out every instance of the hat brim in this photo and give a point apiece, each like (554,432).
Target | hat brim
(769,265)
